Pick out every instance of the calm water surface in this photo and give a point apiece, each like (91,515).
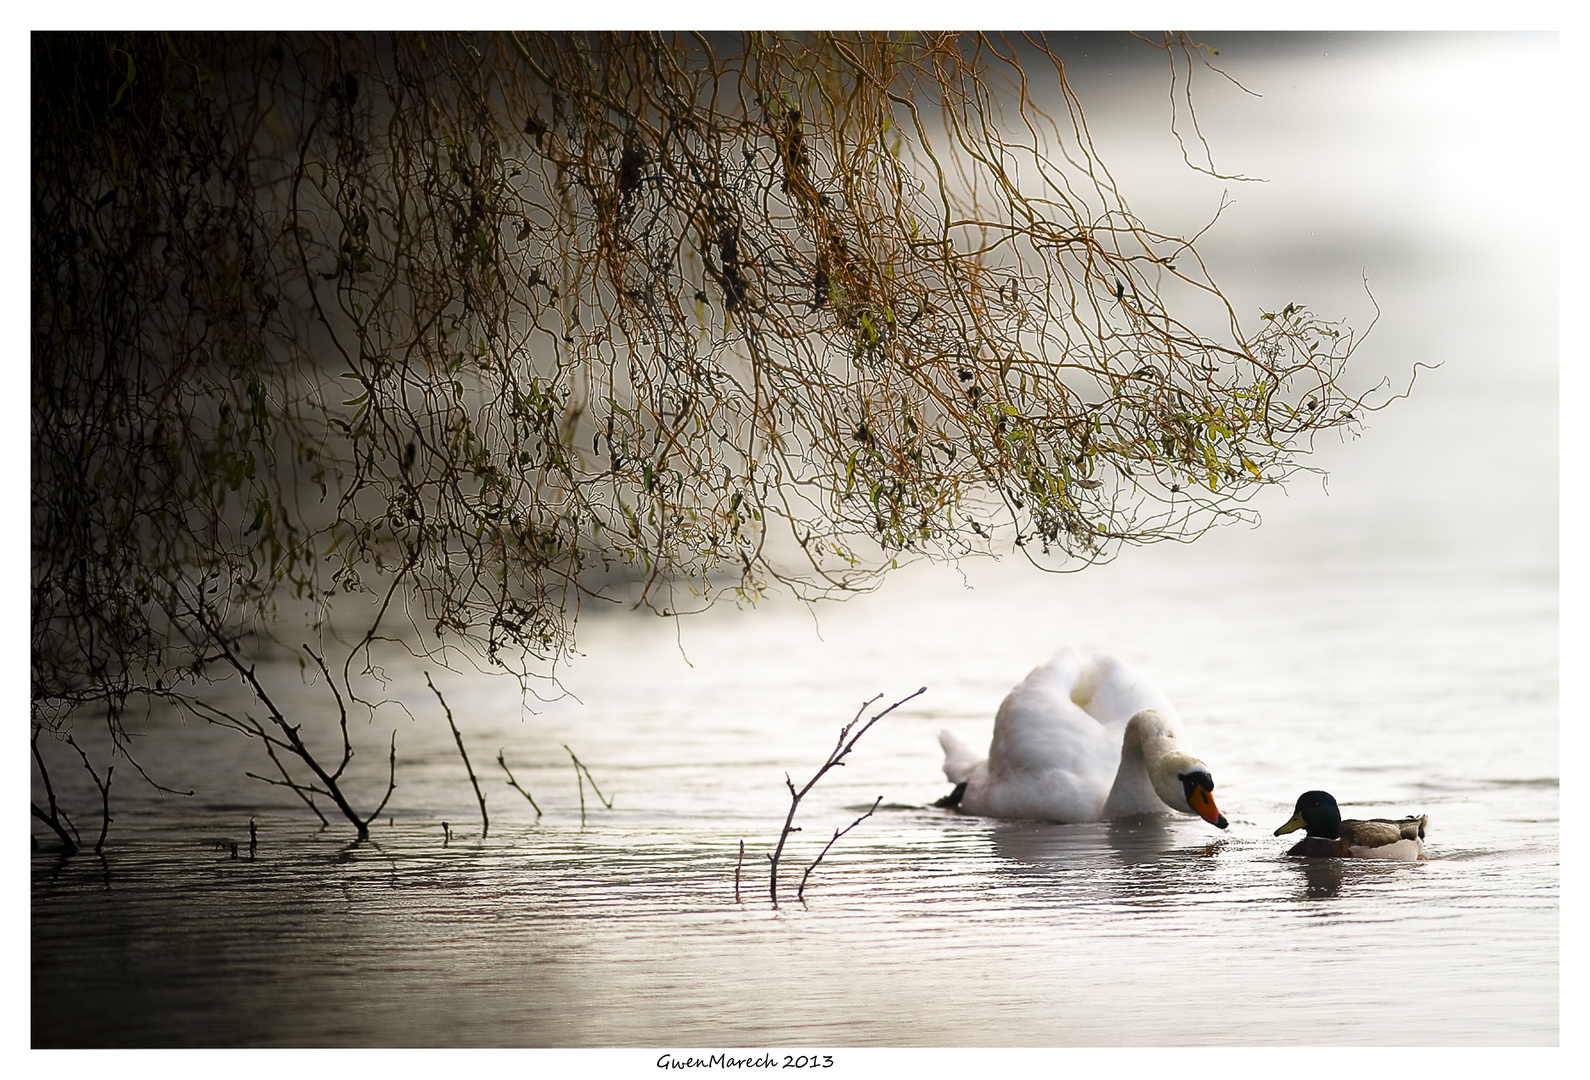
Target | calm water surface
(921,927)
(1394,642)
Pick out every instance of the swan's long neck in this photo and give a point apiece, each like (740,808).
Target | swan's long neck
(1152,770)
(1139,787)
(1165,764)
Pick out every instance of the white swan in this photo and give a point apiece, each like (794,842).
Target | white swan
(1082,738)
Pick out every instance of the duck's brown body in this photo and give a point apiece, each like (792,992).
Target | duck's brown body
(1330,837)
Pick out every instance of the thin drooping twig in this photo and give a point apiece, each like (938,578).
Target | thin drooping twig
(579,767)
(836,757)
(104,793)
(485,822)
(515,784)
(800,892)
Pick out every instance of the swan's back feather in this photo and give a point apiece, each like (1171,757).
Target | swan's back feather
(959,759)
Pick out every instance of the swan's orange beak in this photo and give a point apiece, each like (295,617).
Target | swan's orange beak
(1202,800)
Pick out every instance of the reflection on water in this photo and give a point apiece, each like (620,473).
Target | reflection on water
(626,933)
(1093,845)
(1322,877)
(1384,643)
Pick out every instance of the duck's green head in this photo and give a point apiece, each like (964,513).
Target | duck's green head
(1317,812)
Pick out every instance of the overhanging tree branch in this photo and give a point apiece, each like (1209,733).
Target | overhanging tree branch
(451,324)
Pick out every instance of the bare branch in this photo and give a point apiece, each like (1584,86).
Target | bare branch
(104,793)
(581,773)
(391,783)
(515,784)
(737,863)
(800,892)
(342,713)
(56,818)
(835,758)
(485,822)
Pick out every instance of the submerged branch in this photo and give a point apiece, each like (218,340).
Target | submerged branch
(835,758)
(104,793)
(515,783)
(485,822)
(800,892)
(737,864)
(56,818)
(580,768)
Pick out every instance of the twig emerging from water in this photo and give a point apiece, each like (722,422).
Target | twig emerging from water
(104,793)
(280,735)
(515,784)
(305,792)
(836,757)
(579,768)
(800,892)
(56,819)
(737,864)
(485,822)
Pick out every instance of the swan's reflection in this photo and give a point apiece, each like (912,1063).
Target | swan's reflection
(1136,859)
(1140,840)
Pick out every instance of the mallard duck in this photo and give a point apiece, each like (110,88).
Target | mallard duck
(1331,837)
(1082,738)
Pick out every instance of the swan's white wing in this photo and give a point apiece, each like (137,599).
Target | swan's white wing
(1049,759)
(1113,693)
(1039,727)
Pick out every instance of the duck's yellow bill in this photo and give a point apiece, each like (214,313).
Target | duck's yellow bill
(1202,801)
(1291,826)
